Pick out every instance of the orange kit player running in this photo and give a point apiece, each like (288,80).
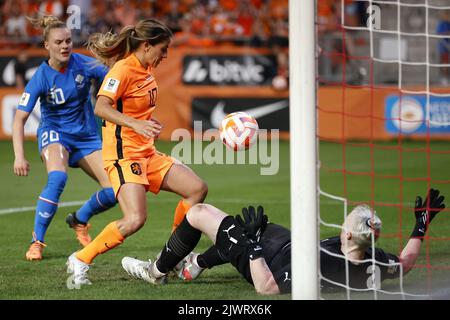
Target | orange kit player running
(126,102)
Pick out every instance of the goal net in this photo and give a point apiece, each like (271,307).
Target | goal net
(383,110)
(383,131)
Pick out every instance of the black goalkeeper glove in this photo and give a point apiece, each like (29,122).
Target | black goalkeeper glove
(253,225)
(424,216)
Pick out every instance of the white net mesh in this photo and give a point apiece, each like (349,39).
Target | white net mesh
(371,46)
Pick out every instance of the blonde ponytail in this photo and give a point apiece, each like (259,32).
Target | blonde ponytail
(47,23)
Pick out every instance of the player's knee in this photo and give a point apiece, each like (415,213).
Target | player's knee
(200,191)
(134,223)
(196,213)
(107,197)
(203,189)
(57,181)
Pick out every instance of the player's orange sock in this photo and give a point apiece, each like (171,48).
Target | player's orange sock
(180,212)
(109,238)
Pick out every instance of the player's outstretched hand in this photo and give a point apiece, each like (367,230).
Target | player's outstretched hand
(425,211)
(254,222)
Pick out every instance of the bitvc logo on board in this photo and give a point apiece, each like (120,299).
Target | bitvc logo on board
(230,70)
(418,114)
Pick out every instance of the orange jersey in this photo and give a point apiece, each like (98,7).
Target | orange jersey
(134,91)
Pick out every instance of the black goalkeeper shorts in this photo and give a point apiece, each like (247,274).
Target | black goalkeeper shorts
(228,234)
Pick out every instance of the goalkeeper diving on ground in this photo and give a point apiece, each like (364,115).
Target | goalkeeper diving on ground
(261,251)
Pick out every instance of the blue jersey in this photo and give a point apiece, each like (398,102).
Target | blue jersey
(65,96)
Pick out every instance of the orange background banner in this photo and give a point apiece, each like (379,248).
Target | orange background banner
(343,113)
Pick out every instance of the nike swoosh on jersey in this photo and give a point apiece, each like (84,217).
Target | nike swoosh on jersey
(218,113)
(146,79)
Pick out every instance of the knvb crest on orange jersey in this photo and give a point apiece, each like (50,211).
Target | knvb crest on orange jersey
(136,168)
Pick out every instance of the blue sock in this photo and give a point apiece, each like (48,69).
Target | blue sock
(100,201)
(48,202)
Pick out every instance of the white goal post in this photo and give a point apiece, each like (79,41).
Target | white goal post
(302,95)
(401,54)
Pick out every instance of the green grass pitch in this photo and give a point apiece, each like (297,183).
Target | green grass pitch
(397,179)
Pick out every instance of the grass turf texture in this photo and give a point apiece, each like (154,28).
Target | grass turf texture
(230,188)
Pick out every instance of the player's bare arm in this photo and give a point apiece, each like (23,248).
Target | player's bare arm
(105,110)
(409,254)
(254,224)
(424,211)
(21,165)
(262,277)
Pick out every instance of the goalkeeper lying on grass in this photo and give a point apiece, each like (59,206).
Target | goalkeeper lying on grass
(261,251)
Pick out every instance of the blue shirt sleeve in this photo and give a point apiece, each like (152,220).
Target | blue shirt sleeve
(32,92)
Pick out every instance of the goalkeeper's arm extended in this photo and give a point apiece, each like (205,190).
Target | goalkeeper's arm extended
(254,225)
(424,211)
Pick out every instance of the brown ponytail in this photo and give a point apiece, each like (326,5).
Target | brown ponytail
(109,47)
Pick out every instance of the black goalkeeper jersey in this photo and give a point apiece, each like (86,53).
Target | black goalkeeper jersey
(360,275)
(276,243)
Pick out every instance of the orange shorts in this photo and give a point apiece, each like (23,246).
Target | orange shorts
(146,171)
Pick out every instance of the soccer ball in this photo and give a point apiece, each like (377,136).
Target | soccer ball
(238,131)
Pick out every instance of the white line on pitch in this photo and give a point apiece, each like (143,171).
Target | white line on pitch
(27,209)
(78,203)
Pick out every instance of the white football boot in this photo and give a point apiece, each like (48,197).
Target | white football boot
(190,270)
(79,269)
(144,270)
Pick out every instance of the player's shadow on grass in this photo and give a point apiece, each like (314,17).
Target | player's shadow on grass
(203,280)
(56,256)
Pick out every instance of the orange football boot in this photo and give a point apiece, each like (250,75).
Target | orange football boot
(81,229)
(35,250)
